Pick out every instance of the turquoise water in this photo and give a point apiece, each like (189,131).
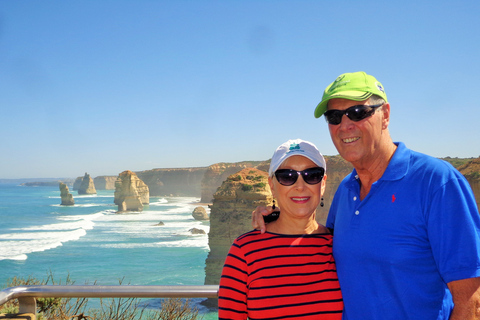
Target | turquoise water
(89,242)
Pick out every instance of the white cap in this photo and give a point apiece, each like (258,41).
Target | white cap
(297,147)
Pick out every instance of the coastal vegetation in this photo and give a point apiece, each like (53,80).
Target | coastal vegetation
(108,309)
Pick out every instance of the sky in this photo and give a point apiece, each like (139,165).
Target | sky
(105,86)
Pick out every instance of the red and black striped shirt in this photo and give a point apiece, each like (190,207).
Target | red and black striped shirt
(276,276)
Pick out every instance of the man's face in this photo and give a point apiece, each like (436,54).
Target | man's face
(358,141)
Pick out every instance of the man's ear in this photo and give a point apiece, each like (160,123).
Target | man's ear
(386,115)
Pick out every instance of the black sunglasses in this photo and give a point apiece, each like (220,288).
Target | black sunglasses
(288,177)
(355,113)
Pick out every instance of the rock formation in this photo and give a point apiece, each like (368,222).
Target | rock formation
(173,182)
(217,173)
(87,186)
(199,213)
(105,182)
(67,197)
(131,193)
(230,216)
(77,183)
(197,231)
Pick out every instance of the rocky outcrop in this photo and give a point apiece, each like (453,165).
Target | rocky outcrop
(173,182)
(65,195)
(217,173)
(131,193)
(199,213)
(230,215)
(196,231)
(471,171)
(87,186)
(105,182)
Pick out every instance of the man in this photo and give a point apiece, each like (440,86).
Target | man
(406,225)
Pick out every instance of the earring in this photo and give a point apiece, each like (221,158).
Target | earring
(273,205)
(321,203)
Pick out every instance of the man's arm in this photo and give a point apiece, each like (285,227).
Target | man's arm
(466,297)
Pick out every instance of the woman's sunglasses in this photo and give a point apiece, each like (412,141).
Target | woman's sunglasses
(355,113)
(288,177)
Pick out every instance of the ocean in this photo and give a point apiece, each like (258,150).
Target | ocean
(89,242)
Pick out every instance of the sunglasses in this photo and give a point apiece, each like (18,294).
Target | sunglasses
(355,113)
(288,177)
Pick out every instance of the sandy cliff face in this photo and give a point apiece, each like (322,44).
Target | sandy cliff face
(131,193)
(230,215)
(175,182)
(105,182)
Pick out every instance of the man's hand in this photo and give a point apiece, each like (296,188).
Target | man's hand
(257,217)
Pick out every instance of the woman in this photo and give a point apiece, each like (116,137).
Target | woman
(289,271)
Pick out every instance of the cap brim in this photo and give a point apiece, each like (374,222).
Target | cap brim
(349,95)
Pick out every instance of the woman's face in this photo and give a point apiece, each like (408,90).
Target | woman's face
(301,199)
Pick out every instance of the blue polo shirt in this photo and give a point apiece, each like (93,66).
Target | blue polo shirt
(396,250)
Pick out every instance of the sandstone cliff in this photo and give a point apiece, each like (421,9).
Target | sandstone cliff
(174,182)
(65,195)
(230,215)
(87,186)
(217,173)
(131,193)
(105,182)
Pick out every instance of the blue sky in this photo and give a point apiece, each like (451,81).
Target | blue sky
(106,86)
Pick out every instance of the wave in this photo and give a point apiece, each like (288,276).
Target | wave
(16,249)
(127,230)
(17,245)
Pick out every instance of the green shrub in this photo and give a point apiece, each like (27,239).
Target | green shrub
(247,187)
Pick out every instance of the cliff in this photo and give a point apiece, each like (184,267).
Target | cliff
(131,193)
(230,215)
(173,182)
(105,182)
(471,171)
(65,195)
(217,173)
(87,186)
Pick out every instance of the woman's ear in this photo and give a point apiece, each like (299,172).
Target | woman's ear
(270,183)
(324,184)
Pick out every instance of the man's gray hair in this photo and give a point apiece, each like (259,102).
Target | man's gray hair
(374,99)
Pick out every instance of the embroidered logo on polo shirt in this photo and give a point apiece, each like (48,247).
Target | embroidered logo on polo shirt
(393,198)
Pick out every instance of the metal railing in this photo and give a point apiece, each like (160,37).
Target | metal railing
(26,295)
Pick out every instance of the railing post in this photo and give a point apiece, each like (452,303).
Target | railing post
(27,305)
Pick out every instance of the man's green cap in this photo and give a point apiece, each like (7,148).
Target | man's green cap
(357,86)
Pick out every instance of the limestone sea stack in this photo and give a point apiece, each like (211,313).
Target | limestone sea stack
(66,196)
(131,193)
(230,216)
(87,186)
